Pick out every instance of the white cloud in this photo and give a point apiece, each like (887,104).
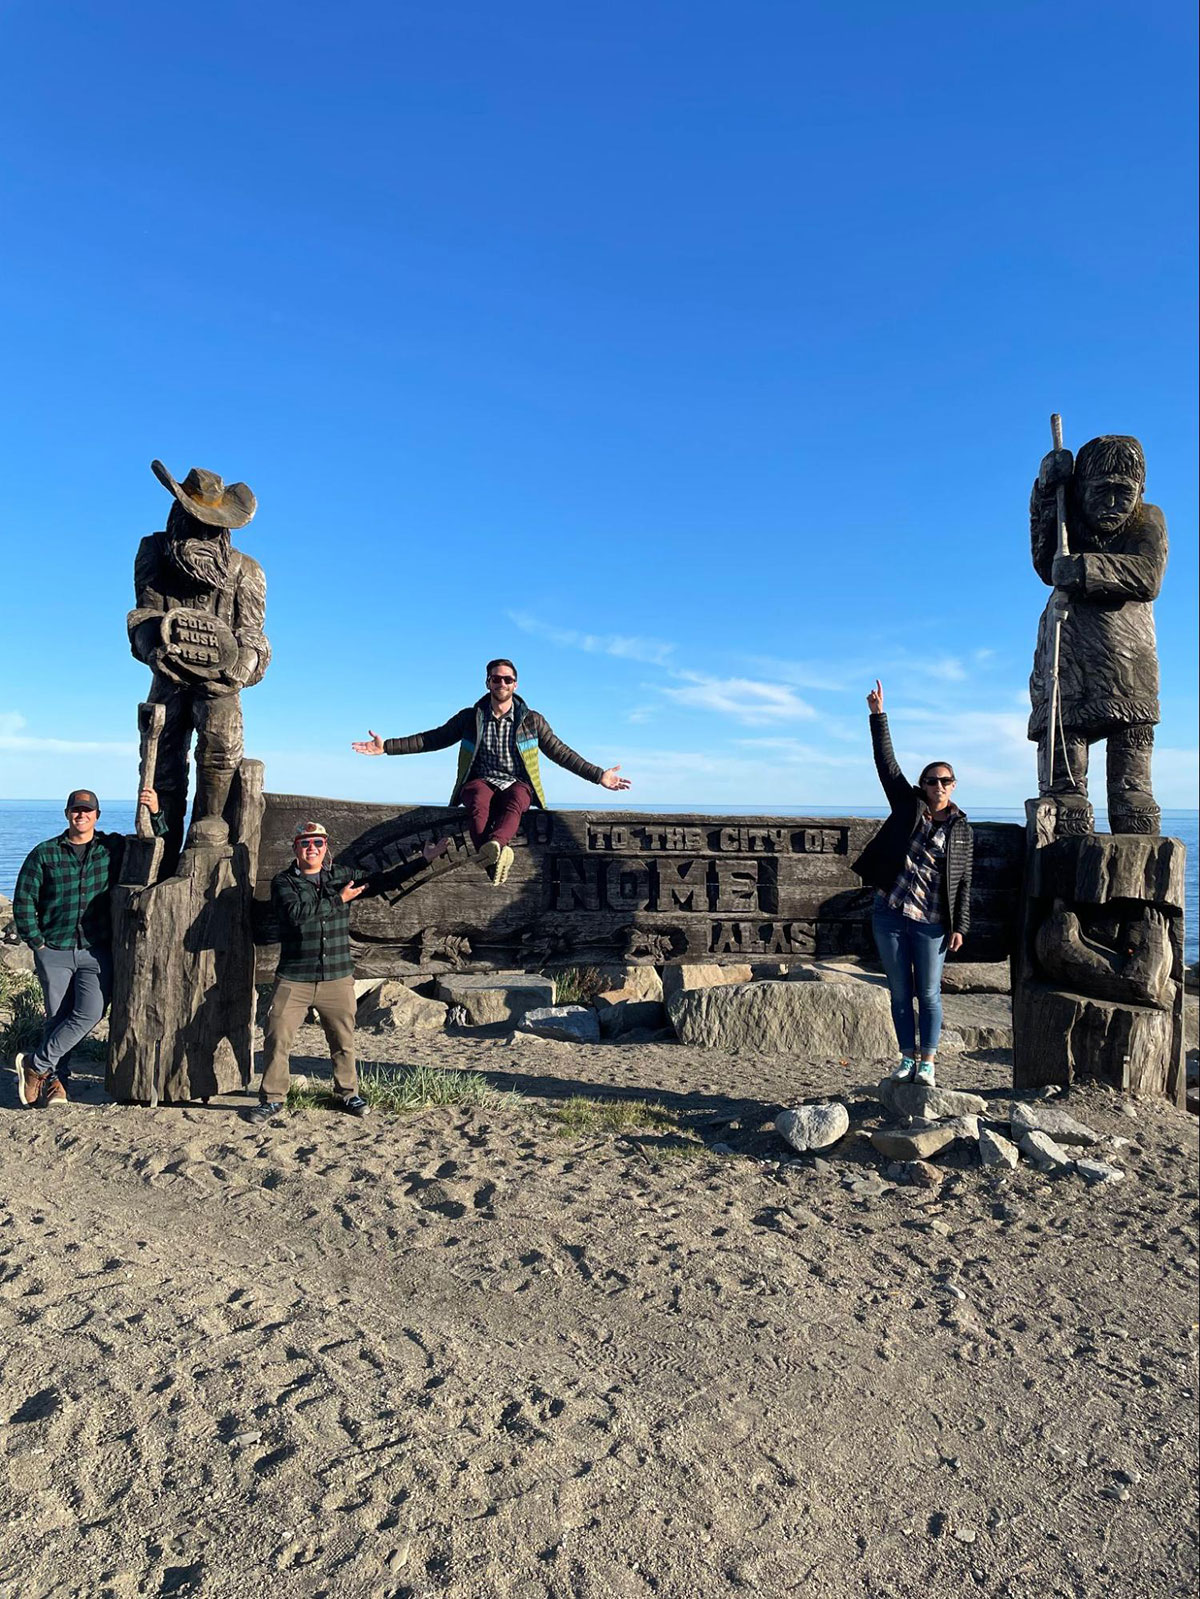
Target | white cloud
(12,738)
(650,651)
(804,674)
(948,670)
(742,697)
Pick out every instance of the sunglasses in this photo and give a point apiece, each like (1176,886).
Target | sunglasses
(312,843)
(938,782)
(497,678)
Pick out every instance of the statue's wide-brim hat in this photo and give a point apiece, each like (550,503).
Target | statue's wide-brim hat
(209,498)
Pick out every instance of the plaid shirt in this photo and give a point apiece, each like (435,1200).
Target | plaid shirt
(314,924)
(61,897)
(496,759)
(917,890)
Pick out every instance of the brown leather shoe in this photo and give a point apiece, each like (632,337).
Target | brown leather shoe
(29,1080)
(54,1093)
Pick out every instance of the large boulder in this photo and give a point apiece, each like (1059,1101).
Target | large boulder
(835,971)
(570,1024)
(495,996)
(833,1020)
(976,977)
(984,1021)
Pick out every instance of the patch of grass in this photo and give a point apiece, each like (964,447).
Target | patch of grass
(22,996)
(13,983)
(410,1089)
(579,1115)
(579,985)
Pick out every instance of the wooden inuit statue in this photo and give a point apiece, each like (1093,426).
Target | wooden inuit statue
(1097,975)
(1106,672)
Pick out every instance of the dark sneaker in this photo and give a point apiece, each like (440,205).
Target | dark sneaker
(264,1112)
(30,1081)
(356,1105)
(55,1093)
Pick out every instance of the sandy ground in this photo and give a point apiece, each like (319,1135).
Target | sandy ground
(460,1354)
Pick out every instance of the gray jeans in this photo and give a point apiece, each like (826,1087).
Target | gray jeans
(76,985)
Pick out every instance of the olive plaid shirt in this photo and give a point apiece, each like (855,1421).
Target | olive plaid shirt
(61,897)
(313,924)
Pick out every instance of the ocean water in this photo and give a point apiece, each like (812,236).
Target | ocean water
(23,823)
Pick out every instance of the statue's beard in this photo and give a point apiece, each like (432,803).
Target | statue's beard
(202,558)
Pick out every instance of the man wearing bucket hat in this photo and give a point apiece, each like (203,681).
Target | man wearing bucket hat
(310,902)
(61,910)
(197,624)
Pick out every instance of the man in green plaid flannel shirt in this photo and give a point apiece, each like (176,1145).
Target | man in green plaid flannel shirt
(61,910)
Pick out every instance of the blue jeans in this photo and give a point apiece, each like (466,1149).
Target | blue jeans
(913,954)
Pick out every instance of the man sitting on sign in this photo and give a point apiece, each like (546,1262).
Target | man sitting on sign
(499,775)
(198,626)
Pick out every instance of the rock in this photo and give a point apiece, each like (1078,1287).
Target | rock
(835,972)
(813,1126)
(934,1104)
(995,1150)
(1045,1154)
(1043,1118)
(16,957)
(976,977)
(398,1009)
(865,1185)
(634,1003)
(634,982)
(620,1012)
(984,1020)
(832,1020)
(680,977)
(920,1173)
(1191,978)
(574,1024)
(912,1143)
(496,996)
(1096,1172)
(966,1127)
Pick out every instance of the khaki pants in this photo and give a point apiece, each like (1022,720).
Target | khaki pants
(334,1003)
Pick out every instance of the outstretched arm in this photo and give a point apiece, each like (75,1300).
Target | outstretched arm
(895,785)
(460,726)
(563,755)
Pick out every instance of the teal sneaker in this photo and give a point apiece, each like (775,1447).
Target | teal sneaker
(925,1074)
(904,1072)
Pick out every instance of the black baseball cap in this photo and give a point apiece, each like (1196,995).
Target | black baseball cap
(82,799)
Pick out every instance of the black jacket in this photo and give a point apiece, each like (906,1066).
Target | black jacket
(881,863)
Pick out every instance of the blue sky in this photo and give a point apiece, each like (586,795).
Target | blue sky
(699,356)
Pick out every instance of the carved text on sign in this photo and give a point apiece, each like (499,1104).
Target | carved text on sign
(675,840)
(578,883)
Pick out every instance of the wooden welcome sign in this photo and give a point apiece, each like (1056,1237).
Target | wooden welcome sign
(605,885)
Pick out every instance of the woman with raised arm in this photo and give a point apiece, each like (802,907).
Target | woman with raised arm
(920,864)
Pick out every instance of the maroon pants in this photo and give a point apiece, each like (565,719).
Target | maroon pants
(494,812)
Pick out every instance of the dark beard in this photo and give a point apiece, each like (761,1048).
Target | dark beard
(202,557)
